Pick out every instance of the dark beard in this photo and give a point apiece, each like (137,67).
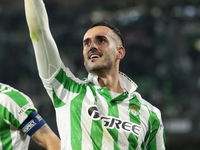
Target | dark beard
(100,69)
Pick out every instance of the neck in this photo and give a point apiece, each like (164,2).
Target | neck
(111,82)
(109,78)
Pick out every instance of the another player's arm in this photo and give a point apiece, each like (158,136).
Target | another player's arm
(46,52)
(46,138)
(36,127)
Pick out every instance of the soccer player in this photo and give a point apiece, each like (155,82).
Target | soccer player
(104,111)
(19,121)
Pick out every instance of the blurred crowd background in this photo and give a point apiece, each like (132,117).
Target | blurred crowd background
(162,42)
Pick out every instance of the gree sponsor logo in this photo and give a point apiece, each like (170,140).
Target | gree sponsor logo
(111,122)
(93,112)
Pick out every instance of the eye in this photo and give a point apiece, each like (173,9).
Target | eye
(101,40)
(86,43)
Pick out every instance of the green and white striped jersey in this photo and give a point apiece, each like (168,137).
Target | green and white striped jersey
(88,118)
(14,109)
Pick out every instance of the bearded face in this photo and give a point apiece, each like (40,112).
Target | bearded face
(100,49)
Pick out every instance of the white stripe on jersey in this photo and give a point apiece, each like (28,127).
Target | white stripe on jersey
(102,105)
(159,139)
(107,142)
(144,118)
(63,125)
(86,139)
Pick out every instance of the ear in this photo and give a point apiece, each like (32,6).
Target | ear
(121,52)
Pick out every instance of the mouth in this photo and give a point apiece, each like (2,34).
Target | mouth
(94,55)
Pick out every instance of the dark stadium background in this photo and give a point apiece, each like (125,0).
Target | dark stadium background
(162,40)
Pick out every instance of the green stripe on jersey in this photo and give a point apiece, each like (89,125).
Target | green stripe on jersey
(18,98)
(114,132)
(76,130)
(96,129)
(57,102)
(97,134)
(146,136)
(164,136)
(154,127)
(134,106)
(6,139)
(7,115)
(70,85)
(113,111)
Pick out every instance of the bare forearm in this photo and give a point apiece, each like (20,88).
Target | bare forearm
(46,138)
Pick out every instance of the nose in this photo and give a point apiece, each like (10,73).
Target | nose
(93,46)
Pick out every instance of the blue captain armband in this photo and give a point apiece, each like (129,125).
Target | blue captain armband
(32,123)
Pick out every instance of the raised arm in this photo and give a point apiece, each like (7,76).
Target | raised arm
(46,52)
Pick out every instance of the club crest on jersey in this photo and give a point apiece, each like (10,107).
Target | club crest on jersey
(133,109)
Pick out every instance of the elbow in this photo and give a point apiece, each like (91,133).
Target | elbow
(36,34)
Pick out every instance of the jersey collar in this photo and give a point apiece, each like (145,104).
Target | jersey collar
(127,84)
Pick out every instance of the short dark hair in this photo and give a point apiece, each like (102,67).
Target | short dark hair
(113,28)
